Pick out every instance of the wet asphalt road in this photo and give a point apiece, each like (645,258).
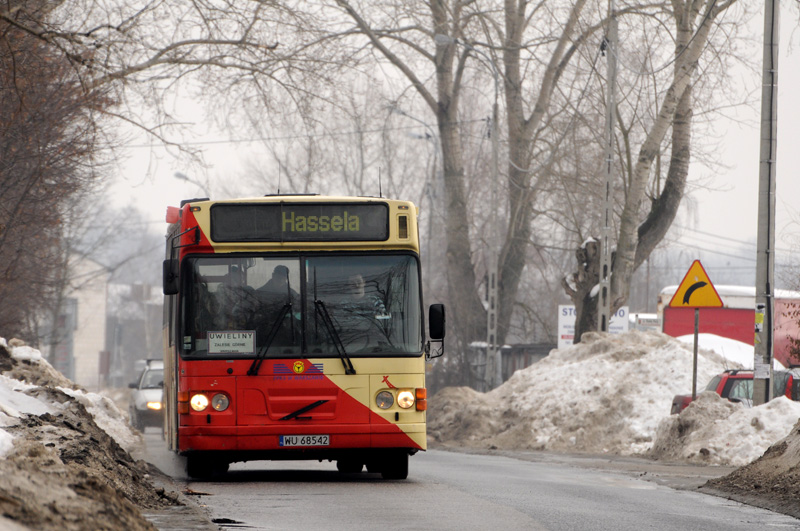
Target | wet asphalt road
(453,490)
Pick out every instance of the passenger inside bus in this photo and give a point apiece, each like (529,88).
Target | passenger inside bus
(274,296)
(360,315)
(208,315)
(238,301)
(278,286)
(358,302)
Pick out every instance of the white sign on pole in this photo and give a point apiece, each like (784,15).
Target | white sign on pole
(566,323)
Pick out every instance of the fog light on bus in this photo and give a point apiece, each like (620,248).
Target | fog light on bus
(199,402)
(155,406)
(220,402)
(384,400)
(405,399)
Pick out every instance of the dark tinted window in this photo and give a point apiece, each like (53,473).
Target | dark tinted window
(781,379)
(237,306)
(712,385)
(741,389)
(152,379)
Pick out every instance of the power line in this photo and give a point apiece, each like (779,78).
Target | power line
(295,137)
(718,236)
(734,240)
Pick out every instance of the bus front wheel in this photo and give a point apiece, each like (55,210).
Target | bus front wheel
(204,467)
(395,466)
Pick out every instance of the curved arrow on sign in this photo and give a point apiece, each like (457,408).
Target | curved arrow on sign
(692,289)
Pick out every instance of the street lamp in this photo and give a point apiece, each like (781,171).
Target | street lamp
(493,375)
(184,177)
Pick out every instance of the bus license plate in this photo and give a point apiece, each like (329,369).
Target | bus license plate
(305,440)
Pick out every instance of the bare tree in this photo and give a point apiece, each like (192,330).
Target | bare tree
(68,70)
(641,229)
(48,154)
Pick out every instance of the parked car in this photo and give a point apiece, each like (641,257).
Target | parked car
(146,405)
(737,386)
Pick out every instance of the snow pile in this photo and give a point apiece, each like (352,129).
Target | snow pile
(13,404)
(738,353)
(108,417)
(609,394)
(715,431)
(772,481)
(63,453)
(18,398)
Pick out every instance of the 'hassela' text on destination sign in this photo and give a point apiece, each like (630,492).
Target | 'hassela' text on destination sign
(344,223)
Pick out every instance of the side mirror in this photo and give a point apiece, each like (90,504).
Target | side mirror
(133,385)
(170,276)
(436,321)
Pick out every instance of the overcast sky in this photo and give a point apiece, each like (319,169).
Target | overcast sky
(730,209)
(722,215)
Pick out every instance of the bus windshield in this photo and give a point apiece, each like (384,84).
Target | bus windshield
(240,307)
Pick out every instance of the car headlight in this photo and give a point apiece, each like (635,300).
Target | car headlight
(155,406)
(220,402)
(405,399)
(384,400)
(199,402)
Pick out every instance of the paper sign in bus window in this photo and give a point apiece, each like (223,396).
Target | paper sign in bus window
(232,342)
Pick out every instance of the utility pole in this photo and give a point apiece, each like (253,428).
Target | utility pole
(494,363)
(765,259)
(604,295)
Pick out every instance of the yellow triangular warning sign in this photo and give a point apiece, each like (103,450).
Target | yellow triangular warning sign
(696,290)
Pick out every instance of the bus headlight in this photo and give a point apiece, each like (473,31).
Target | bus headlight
(405,399)
(384,400)
(155,406)
(199,402)
(220,402)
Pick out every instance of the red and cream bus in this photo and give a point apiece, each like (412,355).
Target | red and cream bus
(294,329)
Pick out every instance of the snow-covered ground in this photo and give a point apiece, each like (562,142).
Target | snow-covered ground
(612,394)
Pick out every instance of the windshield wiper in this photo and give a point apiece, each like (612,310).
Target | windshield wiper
(337,342)
(304,409)
(256,365)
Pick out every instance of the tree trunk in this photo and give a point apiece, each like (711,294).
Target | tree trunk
(522,188)
(466,316)
(580,287)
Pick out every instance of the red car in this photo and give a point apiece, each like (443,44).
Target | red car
(737,386)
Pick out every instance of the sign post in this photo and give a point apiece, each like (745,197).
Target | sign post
(696,291)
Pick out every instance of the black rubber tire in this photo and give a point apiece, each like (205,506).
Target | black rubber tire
(136,423)
(203,467)
(395,466)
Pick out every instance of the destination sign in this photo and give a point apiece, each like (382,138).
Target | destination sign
(301,222)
